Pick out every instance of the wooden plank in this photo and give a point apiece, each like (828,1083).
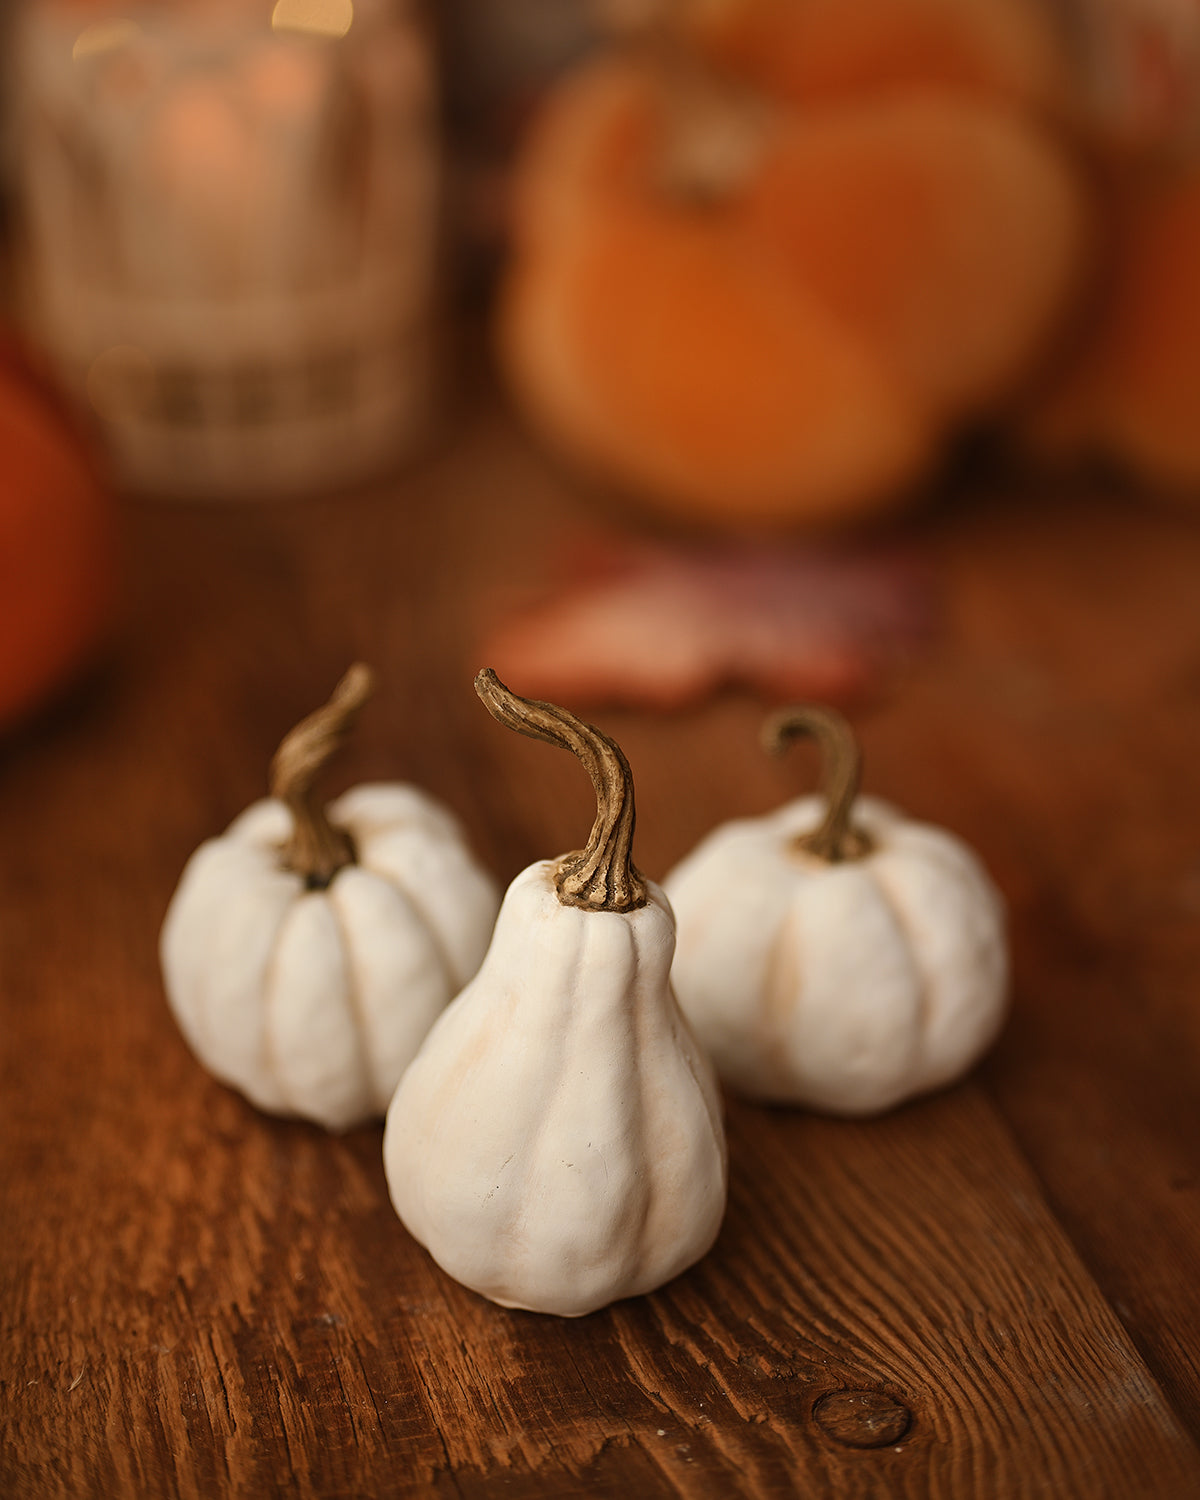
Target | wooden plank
(1055,726)
(1070,693)
(216,1302)
(198,1300)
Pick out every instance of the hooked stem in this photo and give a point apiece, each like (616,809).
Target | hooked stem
(318,849)
(601,876)
(835,838)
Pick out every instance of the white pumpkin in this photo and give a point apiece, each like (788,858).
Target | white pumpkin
(835,953)
(557,1143)
(305,968)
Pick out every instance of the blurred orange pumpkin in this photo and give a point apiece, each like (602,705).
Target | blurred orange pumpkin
(792,345)
(57,544)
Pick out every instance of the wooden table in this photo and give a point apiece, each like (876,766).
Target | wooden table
(993,1292)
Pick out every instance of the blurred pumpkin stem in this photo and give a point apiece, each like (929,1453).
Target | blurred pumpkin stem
(317,849)
(712,128)
(601,876)
(836,838)
(712,133)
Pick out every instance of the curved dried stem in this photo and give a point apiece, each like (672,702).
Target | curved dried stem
(836,838)
(318,849)
(601,876)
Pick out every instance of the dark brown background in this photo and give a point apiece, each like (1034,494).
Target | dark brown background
(201,1301)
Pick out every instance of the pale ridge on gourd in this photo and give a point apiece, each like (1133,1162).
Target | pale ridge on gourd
(557,1143)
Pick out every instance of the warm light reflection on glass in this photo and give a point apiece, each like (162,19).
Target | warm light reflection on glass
(330,18)
(104,36)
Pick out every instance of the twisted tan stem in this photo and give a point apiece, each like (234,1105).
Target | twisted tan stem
(601,876)
(318,849)
(835,838)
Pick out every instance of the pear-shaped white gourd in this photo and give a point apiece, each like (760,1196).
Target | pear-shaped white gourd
(834,953)
(558,1144)
(307,951)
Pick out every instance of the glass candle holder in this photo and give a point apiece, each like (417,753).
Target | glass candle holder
(227,221)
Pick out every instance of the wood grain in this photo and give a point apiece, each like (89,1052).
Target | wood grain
(201,1301)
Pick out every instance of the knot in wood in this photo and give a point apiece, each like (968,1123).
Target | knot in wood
(862,1419)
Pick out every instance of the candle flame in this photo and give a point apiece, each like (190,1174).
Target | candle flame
(328,18)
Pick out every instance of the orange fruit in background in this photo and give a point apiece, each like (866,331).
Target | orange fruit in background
(948,232)
(688,370)
(793,348)
(58,545)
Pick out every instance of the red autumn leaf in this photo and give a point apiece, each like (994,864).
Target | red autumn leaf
(657,626)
